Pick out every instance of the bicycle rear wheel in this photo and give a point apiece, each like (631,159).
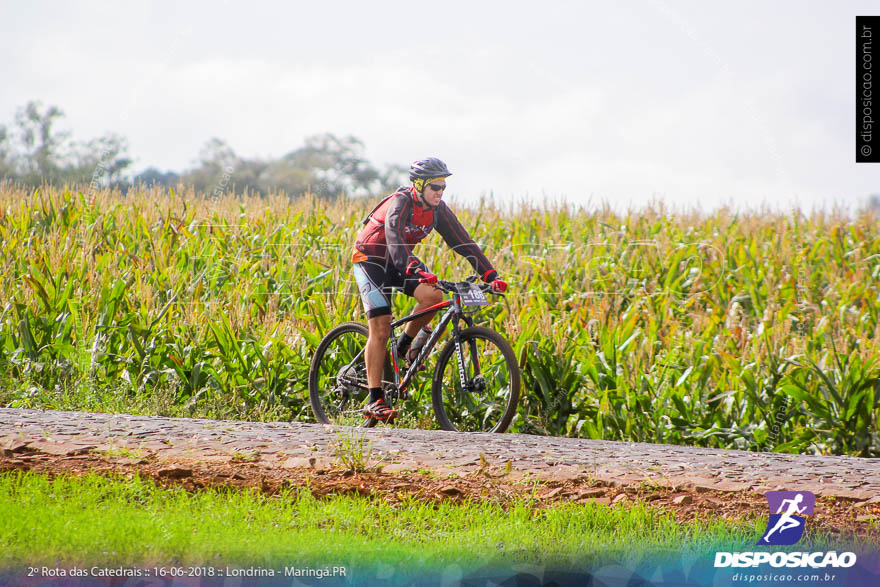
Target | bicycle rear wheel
(338,388)
(486,401)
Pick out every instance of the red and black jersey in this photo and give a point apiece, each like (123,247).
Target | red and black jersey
(399,223)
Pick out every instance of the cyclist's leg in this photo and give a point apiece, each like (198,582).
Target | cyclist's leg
(426,296)
(371,280)
(377,348)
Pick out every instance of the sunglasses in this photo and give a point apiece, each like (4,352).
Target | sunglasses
(436,187)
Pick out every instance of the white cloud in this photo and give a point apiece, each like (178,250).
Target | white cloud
(738,103)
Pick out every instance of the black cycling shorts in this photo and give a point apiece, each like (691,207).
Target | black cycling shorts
(376,281)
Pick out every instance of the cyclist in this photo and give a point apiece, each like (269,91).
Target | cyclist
(383,259)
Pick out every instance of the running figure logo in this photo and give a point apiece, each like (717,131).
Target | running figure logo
(788,511)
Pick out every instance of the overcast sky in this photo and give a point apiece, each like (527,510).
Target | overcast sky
(691,102)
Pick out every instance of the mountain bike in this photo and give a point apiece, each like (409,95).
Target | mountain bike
(476,382)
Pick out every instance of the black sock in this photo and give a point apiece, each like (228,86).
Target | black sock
(403,343)
(376,393)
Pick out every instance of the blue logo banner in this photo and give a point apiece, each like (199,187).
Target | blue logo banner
(788,511)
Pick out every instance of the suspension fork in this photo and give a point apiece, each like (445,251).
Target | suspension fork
(459,355)
(472,347)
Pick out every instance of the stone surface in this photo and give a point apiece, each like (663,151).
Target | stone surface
(600,500)
(299,463)
(612,463)
(60,448)
(451,490)
(175,472)
(553,493)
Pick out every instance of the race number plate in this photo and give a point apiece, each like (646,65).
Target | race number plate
(472,295)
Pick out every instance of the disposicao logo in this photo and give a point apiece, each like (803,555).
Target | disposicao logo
(788,511)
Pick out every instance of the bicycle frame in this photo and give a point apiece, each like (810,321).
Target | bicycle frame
(454,313)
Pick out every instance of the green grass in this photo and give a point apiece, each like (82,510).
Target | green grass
(353,451)
(118,398)
(99,521)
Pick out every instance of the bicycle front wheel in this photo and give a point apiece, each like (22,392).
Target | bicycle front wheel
(476,390)
(338,388)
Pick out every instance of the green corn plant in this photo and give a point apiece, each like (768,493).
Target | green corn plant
(841,402)
(706,329)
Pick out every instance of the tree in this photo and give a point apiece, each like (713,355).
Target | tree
(104,157)
(35,152)
(7,164)
(393,177)
(325,165)
(337,164)
(217,163)
(152,176)
(283,175)
(250,174)
(42,146)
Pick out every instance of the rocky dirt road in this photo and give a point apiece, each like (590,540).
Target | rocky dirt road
(436,464)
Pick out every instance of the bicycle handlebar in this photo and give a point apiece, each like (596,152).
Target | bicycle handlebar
(452,286)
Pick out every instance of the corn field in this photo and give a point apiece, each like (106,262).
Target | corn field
(755,331)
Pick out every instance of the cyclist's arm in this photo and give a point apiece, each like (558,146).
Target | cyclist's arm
(399,214)
(461,242)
